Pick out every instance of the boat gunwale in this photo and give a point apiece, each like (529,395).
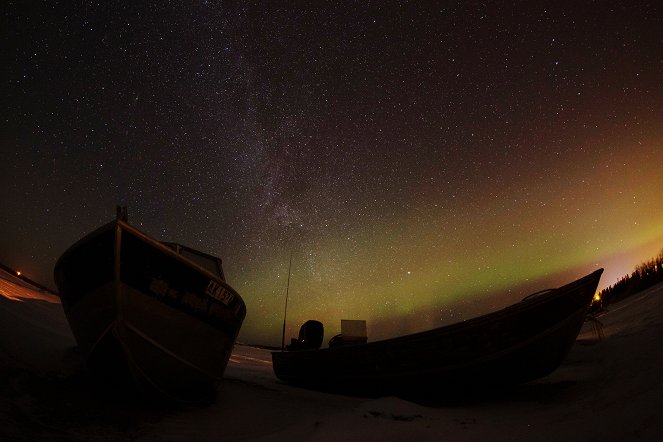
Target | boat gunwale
(436,370)
(460,327)
(159,245)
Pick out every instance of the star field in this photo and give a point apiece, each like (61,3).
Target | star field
(421,162)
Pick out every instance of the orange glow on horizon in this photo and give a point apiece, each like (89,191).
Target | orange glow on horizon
(19,290)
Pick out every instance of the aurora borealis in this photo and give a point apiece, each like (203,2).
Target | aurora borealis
(422,163)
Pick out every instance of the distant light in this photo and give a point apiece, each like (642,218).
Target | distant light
(18,273)
(597,297)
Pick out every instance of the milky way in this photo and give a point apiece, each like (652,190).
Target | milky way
(421,163)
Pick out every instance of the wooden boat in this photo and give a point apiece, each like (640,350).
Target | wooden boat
(522,342)
(158,313)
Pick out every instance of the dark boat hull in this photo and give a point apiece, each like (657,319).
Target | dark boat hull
(522,342)
(139,309)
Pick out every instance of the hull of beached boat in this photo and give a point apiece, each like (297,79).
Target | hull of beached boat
(142,311)
(522,342)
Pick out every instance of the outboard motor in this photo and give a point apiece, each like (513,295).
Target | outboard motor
(311,334)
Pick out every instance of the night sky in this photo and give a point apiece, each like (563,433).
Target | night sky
(421,161)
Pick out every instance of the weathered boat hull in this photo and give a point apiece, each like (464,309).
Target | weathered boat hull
(139,309)
(522,342)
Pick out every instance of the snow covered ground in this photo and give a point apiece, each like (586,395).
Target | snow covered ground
(607,390)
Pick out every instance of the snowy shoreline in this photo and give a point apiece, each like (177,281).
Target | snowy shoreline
(605,390)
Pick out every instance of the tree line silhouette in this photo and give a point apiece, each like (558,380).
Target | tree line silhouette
(645,275)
